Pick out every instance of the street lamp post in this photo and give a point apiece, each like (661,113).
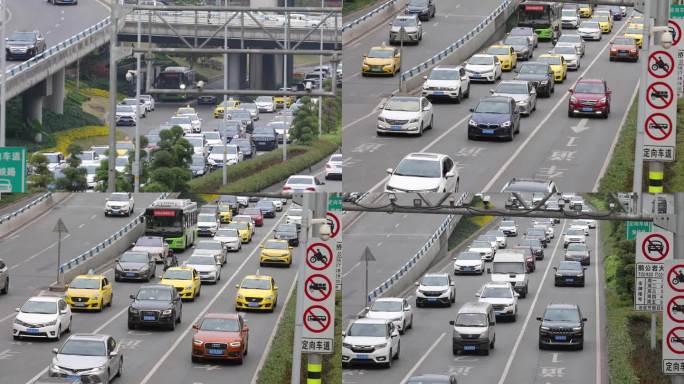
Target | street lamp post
(136,161)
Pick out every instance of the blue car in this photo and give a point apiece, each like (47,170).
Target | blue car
(494,117)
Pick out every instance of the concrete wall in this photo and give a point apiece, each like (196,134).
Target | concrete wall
(14,221)
(363,27)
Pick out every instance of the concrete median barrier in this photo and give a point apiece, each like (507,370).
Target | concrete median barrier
(15,220)
(361,25)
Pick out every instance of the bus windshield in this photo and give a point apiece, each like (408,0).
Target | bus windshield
(163,222)
(534,15)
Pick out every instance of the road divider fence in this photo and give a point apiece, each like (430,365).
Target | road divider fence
(26,213)
(364,23)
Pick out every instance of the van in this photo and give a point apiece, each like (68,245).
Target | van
(509,266)
(474,328)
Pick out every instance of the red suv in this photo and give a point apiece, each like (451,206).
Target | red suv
(256,215)
(589,97)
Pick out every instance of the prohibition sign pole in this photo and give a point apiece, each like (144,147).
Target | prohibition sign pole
(655,244)
(316,318)
(676,302)
(317,287)
(676,335)
(660,97)
(658,122)
(316,259)
(334,222)
(660,64)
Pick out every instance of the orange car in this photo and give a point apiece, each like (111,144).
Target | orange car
(220,336)
(624,48)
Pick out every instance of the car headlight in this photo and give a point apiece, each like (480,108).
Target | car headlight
(472,122)
(506,124)
(167,312)
(380,346)
(414,120)
(603,100)
(188,287)
(235,344)
(144,268)
(346,345)
(577,329)
(197,342)
(268,298)
(544,328)
(53,322)
(96,297)
(573,99)
(133,310)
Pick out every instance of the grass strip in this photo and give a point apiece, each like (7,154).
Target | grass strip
(620,171)
(350,6)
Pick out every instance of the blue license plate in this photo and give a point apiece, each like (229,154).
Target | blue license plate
(488,131)
(79,304)
(73,377)
(431,300)
(469,347)
(587,109)
(438,93)
(32,330)
(362,357)
(130,274)
(395,127)
(569,280)
(215,351)
(148,318)
(561,338)
(253,304)
(475,76)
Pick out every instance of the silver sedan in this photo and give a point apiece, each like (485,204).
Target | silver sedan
(523,92)
(91,357)
(570,55)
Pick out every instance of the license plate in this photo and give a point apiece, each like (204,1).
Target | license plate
(488,131)
(395,127)
(468,347)
(431,300)
(561,338)
(362,357)
(569,280)
(79,304)
(148,318)
(73,377)
(475,76)
(32,330)
(130,274)
(376,69)
(587,109)
(253,304)
(438,93)
(215,351)
(261,142)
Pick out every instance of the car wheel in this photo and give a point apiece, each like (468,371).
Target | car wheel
(389,359)
(6,288)
(459,97)
(218,278)
(199,291)
(403,327)
(59,332)
(172,326)
(180,317)
(398,351)
(195,359)
(120,370)
(131,325)
(432,122)
(511,134)
(420,132)
(410,326)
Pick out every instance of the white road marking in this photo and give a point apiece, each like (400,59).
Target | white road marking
(571,142)
(422,358)
(93,217)
(371,113)
(351,269)
(81,225)
(561,100)
(11,315)
(581,126)
(512,354)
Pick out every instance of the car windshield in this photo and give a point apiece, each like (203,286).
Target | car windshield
(198,161)
(178,274)
(404,22)
(200,260)
(577,247)
(418,168)
(367,330)
(570,265)
(252,211)
(336,158)
(590,24)
(23,36)
(264,99)
(248,106)
(418,3)
(553,60)
(160,294)
(576,232)
(471,320)
(209,246)
(267,204)
(495,107)
(220,325)
(35,306)
(276,245)
(468,256)
(212,135)
(195,141)
(569,12)
(624,41)
(90,169)
(434,281)
(227,232)
(180,120)
(263,131)
(481,60)
(530,242)
(561,314)
(508,267)
(587,87)
(480,244)
(85,284)
(256,284)
(299,180)
(496,293)
(134,257)
(507,223)
(498,51)
(517,40)
(444,74)
(387,306)
(569,39)
(206,217)
(240,114)
(512,88)
(83,348)
(403,104)
(286,228)
(218,149)
(568,50)
(149,242)
(185,111)
(530,69)
(124,108)
(238,225)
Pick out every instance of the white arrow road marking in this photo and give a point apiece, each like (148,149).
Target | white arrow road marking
(581,126)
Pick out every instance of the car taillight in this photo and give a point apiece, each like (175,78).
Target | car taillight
(311,189)
(328,165)
(286,188)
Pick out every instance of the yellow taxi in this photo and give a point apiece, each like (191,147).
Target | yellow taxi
(635,25)
(186,280)
(506,55)
(283,101)
(382,60)
(256,292)
(276,252)
(223,106)
(243,229)
(245,219)
(558,66)
(605,22)
(586,10)
(225,213)
(636,34)
(89,292)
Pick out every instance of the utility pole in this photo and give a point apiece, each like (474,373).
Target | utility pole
(136,161)
(320,78)
(59,229)
(111,159)
(224,170)
(3,68)
(287,46)
(678,246)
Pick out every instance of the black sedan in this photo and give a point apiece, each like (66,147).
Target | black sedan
(155,305)
(494,117)
(287,232)
(569,273)
(267,208)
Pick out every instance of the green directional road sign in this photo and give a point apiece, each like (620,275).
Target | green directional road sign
(637,226)
(12,169)
(676,11)
(334,202)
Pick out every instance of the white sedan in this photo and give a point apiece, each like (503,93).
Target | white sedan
(589,30)
(423,172)
(483,68)
(409,115)
(302,183)
(42,317)
(333,168)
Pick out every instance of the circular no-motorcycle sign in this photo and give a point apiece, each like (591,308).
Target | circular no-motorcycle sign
(319,256)
(658,126)
(661,64)
(675,277)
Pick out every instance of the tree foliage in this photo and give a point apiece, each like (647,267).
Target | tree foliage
(305,124)
(169,165)
(41,176)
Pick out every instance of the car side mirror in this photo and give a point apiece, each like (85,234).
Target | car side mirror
(452,284)
(584,319)
(555,269)
(416,284)
(516,70)
(491,323)
(407,307)
(472,109)
(113,354)
(491,91)
(516,294)
(344,333)
(571,91)
(425,77)
(16,309)
(275,287)
(195,326)
(451,322)
(539,319)
(477,294)
(609,92)
(450,174)
(55,350)
(132,296)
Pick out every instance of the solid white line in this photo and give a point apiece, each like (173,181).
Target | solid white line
(422,358)
(562,100)
(351,269)
(8,317)
(211,302)
(512,355)
(615,139)
(369,114)
(598,308)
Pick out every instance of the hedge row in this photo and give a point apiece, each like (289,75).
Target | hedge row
(64,138)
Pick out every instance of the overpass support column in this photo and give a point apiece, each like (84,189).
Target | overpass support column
(32,101)
(256,75)
(55,102)
(234,71)
(277,69)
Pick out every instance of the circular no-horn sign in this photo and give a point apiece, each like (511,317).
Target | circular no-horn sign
(655,247)
(675,340)
(317,287)
(676,31)
(675,278)
(660,64)
(316,318)
(319,256)
(659,95)
(658,126)
(334,223)
(675,309)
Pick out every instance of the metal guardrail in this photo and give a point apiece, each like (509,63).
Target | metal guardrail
(458,43)
(24,208)
(389,283)
(104,244)
(370,14)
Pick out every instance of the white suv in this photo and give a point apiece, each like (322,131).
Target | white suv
(435,288)
(394,309)
(509,228)
(405,114)
(370,341)
(502,297)
(424,172)
(120,204)
(447,81)
(574,236)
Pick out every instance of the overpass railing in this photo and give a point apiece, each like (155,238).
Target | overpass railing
(368,15)
(26,207)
